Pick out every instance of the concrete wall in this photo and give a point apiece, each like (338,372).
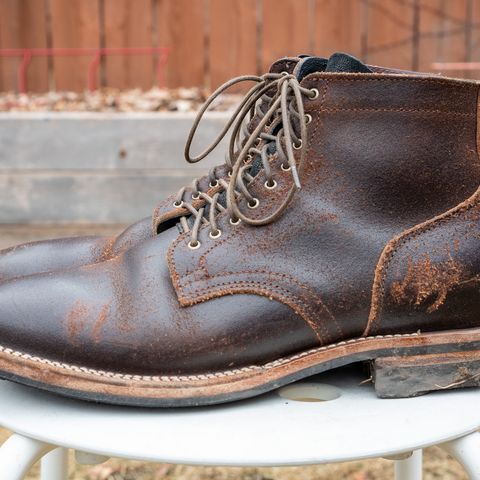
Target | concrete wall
(95,168)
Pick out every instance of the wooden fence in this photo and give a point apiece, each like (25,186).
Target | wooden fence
(213,40)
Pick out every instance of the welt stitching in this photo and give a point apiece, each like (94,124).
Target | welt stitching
(206,376)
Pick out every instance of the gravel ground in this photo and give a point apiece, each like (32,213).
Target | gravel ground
(112,100)
(437,465)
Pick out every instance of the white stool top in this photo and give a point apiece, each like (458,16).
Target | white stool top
(267,430)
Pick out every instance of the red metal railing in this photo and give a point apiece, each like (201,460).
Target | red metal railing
(26,55)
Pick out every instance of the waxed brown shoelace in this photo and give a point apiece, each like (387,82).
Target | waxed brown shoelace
(286,106)
(259,92)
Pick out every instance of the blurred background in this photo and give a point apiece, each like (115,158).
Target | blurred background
(97,97)
(204,42)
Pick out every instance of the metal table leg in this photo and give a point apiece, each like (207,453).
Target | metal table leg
(18,454)
(55,465)
(467,452)
(410,468)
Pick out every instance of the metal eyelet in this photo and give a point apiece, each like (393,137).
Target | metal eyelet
(234,222)
(270,186)
(315,93)
(215,235)
(285,168)
(177,204)
(194,246)
(195,196)
(308,118)
(213,184)
(254,203)
(298,146)
(229,174)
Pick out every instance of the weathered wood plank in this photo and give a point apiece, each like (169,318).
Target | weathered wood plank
(81,168)
(390,38)
(84,197)
(181,28)
(443,34)
(233,39)
(23,25)
(128,24)
(75,24)
(286,28)
(338,27)
(103,141)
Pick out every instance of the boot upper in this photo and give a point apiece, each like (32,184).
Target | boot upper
(380,155)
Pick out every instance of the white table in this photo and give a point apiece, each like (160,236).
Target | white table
(266,431)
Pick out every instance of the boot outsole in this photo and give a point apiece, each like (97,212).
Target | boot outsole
(403,365)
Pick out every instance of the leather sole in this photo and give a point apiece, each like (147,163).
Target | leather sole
(402,365)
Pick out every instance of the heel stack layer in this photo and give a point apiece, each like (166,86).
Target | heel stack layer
(409,376)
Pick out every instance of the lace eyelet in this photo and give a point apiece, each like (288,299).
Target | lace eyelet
(285,168)
(314,93)
(253,203)
(177,204)
(308,118)
(298,146)
(194,246)
(229,174)
(213,184)
(234,222)
(270,186)
(215,235)
(195,196)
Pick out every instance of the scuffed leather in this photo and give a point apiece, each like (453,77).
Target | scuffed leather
(123,315)
(59,254)
(432,276)
(385,153)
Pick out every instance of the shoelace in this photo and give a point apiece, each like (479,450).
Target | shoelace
(286,107)
(261,97)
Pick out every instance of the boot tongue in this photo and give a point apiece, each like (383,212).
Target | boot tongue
(309,65)
(342,62)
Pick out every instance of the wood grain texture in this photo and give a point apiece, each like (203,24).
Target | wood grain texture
(286,29)
(128,24)
(75,24)
(233,39)
(390,38)
(23,25)
(181,27)
(338,27)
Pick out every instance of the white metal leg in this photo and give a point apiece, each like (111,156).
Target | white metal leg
(467,452)
(410,468)
(18,454)
(55,465)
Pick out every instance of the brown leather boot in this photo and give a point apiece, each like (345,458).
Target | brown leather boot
(375,258)
(59,254)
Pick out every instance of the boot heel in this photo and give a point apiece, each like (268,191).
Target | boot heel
(409,376)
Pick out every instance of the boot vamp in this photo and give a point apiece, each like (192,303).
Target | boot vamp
(123,315)
(50,255)
(63,253)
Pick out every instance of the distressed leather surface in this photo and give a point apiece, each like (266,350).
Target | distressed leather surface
(59,254)
(431,276)
(384,153)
